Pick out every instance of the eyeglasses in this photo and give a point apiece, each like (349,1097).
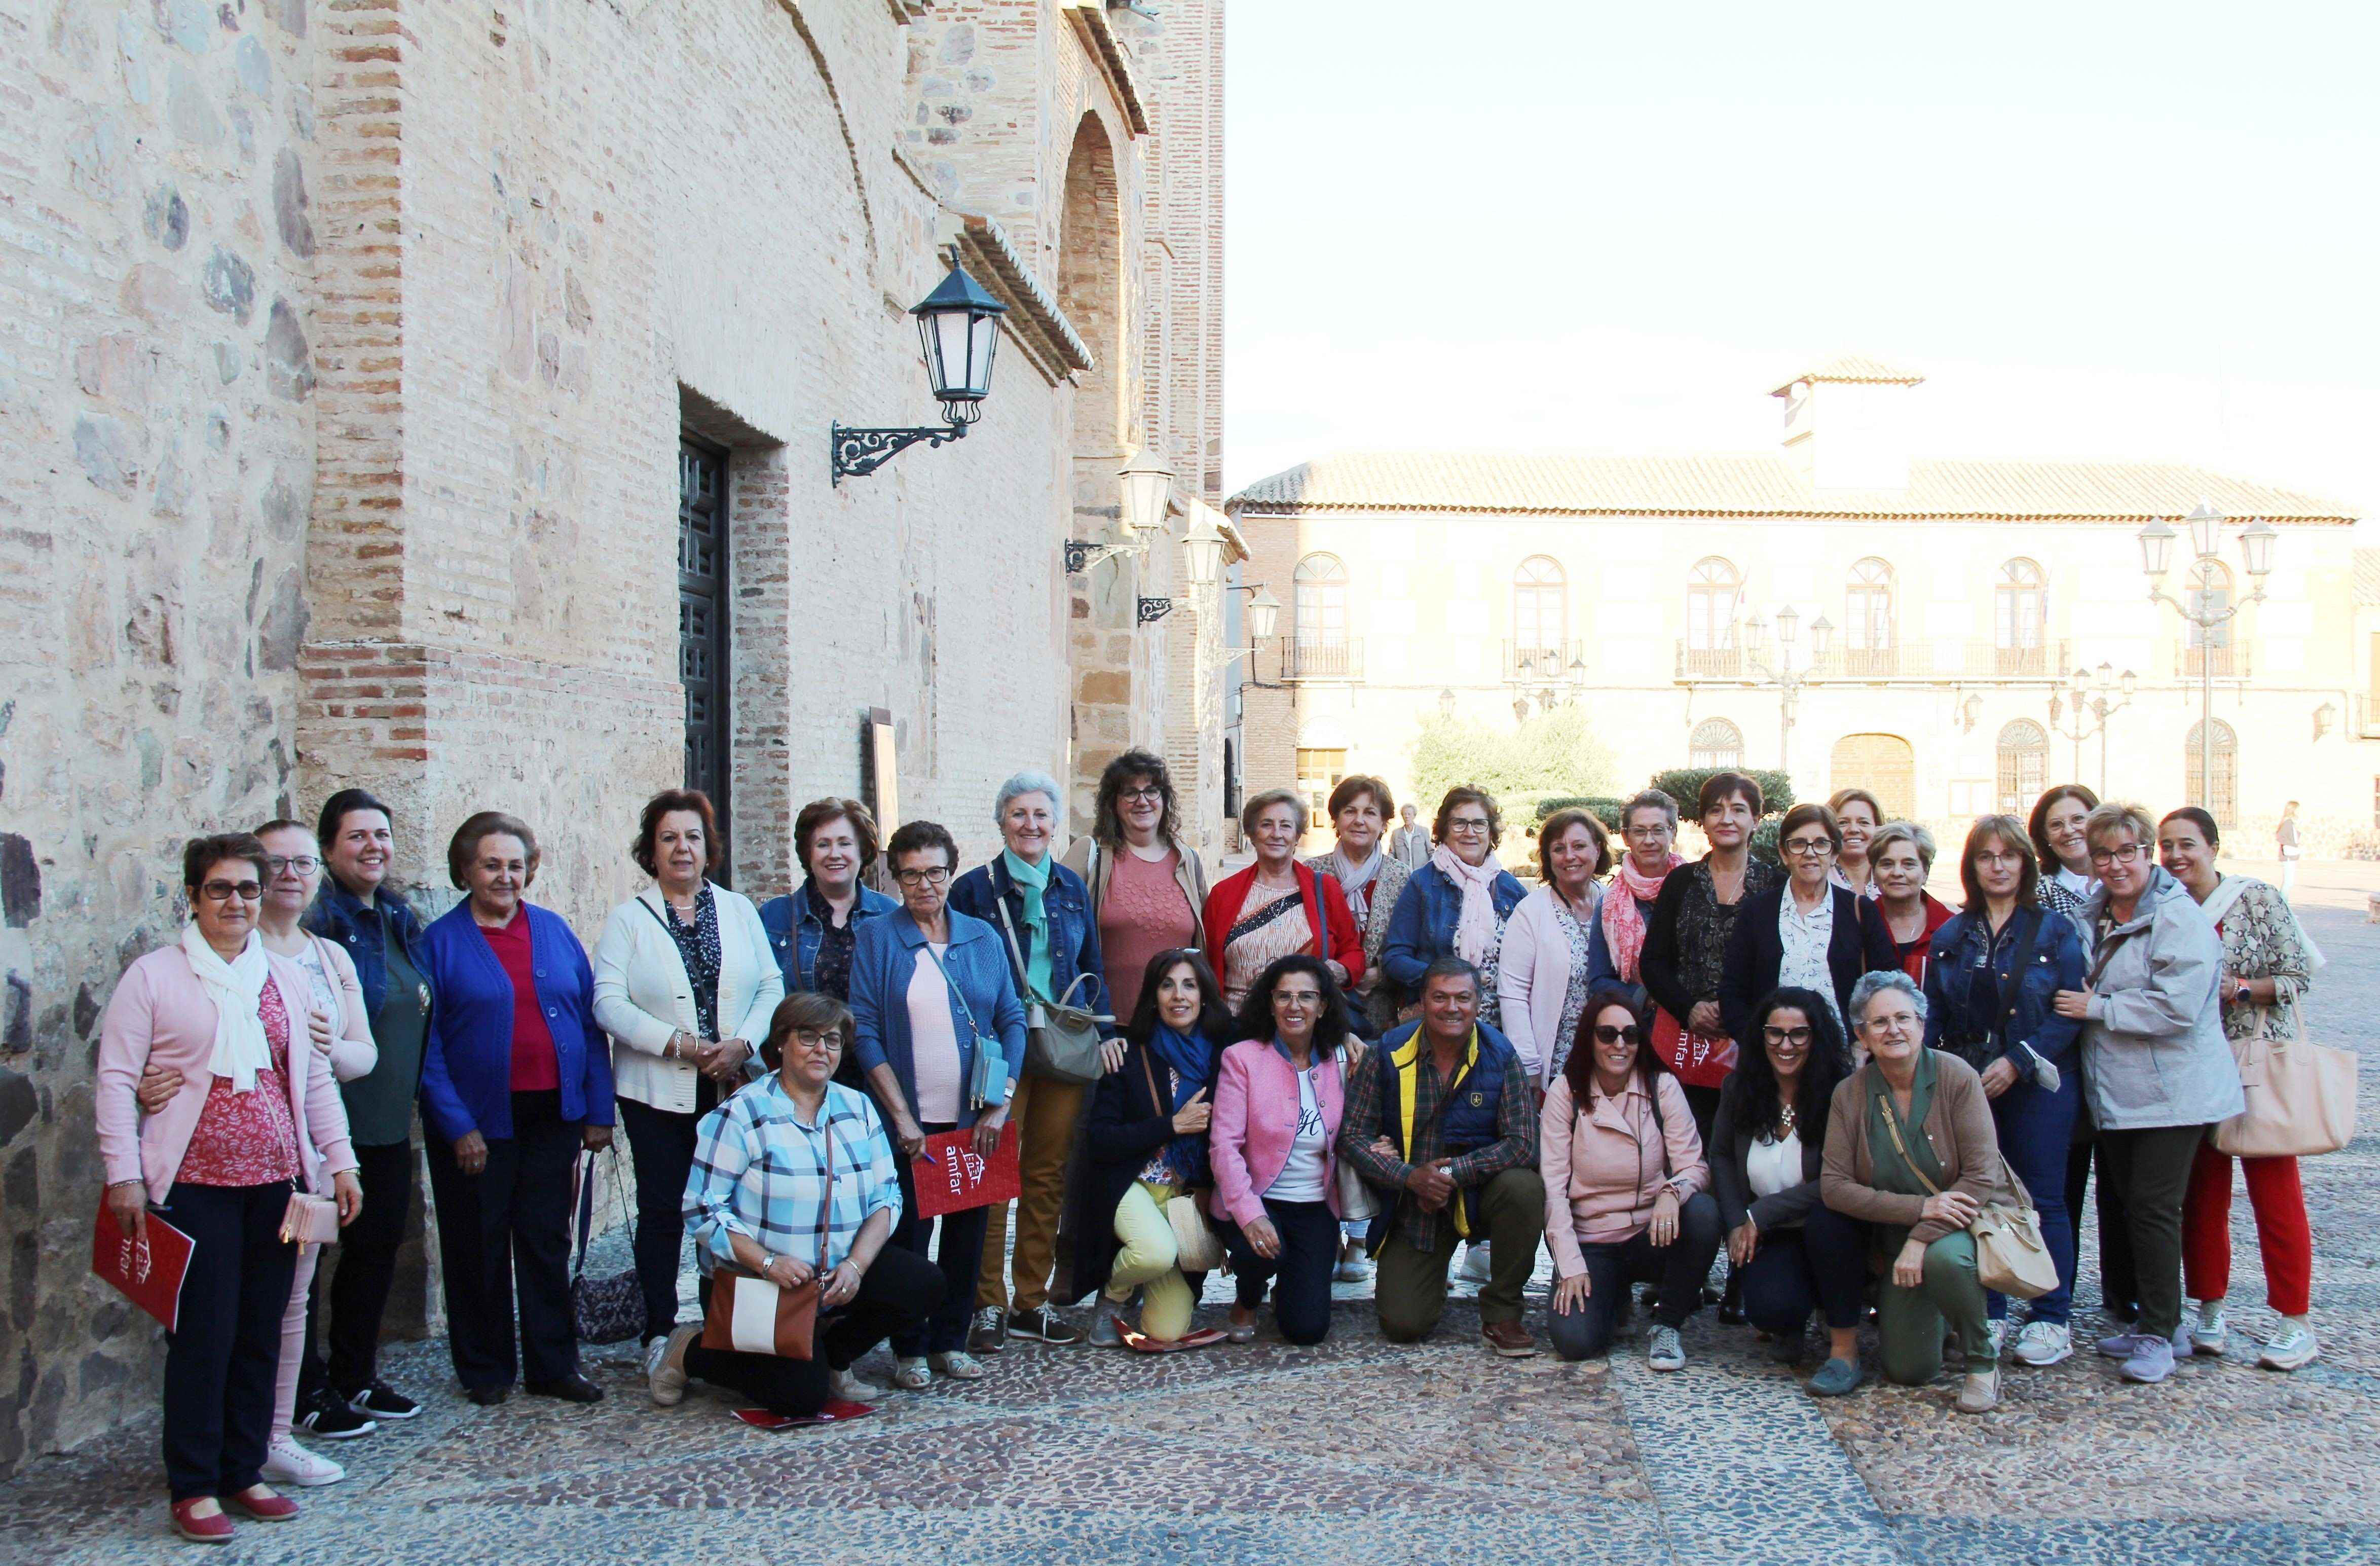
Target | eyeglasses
(1606,1033)
(1901,1019)
(1297,997)
(304,864)
(1645,834)
(804,1039)
(223,891)
(933,877)
(1142,797)
(2117,856)
(1786,1035)
(1810,848)
(1999,858)
(1466,824)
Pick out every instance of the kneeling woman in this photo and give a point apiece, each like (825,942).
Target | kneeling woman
(1768,1147)
(1910,1152)
(1278,1095)
(794,1178)
(1145,1143)
(1625,1197)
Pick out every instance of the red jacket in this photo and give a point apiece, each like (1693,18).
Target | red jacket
(1225,903)
(1913,955)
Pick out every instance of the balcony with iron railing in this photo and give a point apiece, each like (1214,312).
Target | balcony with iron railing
(1322,658)
(1533,664)
(1978,660)
(2228,661)
(1712,663)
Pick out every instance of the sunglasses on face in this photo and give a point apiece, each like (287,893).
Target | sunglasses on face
(223,891)
(1606,1033)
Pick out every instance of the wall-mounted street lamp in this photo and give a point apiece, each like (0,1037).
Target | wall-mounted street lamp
(1145,482)
(958,326)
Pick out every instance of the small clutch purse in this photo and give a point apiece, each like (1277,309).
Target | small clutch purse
(310,1221)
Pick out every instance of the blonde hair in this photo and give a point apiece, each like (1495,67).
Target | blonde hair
(2116,815)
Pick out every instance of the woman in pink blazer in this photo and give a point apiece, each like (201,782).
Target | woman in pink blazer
(1278,1099)
(255,1121)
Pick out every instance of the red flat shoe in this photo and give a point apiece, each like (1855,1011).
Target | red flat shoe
(215,1528)
(264,1504)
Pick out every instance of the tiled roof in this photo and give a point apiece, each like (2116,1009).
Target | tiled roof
(1857,367)
(2367,578)
(1764,485)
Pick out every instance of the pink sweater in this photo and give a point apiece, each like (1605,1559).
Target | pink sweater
(1603,1170)
(1256,1121)
(160,1011)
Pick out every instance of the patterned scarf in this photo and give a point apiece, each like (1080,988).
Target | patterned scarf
(1356,880)
(1624,922)
(1475,931)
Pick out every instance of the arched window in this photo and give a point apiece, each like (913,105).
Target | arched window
(2019,617)
(1867,635)
(2210,595)
(1715,743)
(1713,589)
(2024,765)
(1540,620)
(1319,646)
(2222,802)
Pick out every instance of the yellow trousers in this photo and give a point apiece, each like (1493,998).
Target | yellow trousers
(1147,1263)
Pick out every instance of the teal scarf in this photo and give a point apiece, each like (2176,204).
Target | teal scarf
(1033,880)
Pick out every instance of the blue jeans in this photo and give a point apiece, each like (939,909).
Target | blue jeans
(2035,1129)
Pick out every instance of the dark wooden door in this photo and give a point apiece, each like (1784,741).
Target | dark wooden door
(702,617)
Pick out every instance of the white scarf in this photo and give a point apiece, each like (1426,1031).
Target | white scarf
(237,988)
(1475,930)
(1356,880)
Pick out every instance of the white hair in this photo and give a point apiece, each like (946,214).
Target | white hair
(1870,986)
(1022,783)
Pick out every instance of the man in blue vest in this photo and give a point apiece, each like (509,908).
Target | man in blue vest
(1441,1120)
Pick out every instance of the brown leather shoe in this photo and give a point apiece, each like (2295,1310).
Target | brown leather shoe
(1509,1338)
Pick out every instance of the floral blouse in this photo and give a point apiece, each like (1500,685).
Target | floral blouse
(1574,997)
(698,945)
(2261,941)
(1705,922)
(249,1138)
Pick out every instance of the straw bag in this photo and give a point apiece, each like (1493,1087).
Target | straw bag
(2300,1097)
(2010,1257)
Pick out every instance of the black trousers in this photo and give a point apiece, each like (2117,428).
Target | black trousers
(221,1361)
(510,1224)
(1299,1276)
(2119,1288)
(359,1284)
(660,1144)
(960,1256)
(1823,1265)
(1679,1268)
(896,1294)
(2149,1172)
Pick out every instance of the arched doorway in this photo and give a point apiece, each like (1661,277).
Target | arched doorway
(1110,673)
(2222,802)
(1882,764)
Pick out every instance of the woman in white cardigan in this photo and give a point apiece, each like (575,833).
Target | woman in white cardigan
(684,983)
(1541,976)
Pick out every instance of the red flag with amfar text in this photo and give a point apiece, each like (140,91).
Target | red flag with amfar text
(951,1176)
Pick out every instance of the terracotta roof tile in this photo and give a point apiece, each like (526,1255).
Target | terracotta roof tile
(1855,367)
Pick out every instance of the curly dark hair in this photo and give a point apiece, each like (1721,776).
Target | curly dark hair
(1107,812)
(1578,1070)
(1828,1063)
(1330,1025)
(669,801)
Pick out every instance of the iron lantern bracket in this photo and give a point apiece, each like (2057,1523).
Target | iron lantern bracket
(860,452)
(1152,610)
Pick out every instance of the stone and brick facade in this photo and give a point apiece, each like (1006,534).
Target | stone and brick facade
(347,349)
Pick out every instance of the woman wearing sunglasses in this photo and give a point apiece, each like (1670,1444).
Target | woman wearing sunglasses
(1627,1197)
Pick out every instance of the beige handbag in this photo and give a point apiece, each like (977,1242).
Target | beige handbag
(2011,1256)
(2300,1097)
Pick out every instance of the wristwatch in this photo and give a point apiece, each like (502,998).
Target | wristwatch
(2240,997)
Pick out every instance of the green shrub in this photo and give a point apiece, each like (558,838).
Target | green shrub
(1684,784)
(1602,807)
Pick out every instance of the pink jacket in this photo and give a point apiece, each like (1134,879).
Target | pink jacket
(1603,1170)
(161,1012)
(1256,1121)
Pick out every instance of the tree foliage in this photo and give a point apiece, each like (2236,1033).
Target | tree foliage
(1684,784)
(1553,753)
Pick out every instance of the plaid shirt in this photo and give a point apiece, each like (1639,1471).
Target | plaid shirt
(761,1172)
(1516,1147)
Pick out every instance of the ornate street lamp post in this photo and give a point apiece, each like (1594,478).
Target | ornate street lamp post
(1782,676)
(2089,702)
(2205,525)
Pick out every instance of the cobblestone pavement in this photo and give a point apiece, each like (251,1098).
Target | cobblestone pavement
(1356,1449)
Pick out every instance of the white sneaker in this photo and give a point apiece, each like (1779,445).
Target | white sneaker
(958,1364)
(1663,1351)
(1476,1263)
(1995,1328)
(2294,1347)
(851,1389)
(666,1365)
(2209,1336)
(286,1462)
(2044,1343)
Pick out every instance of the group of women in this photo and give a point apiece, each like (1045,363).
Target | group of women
(1823,1071)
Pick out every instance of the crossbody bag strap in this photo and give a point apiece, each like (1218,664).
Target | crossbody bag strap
(1023,974)
(584,1170)
(958,994)
(1892,1129)
(1148,1073)
(664,923)
(826,1202)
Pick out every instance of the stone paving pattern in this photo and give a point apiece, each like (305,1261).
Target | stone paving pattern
(1359,1449)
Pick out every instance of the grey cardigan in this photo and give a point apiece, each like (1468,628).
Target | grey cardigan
(2154,1052)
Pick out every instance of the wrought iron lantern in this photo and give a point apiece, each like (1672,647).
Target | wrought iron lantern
(958,330)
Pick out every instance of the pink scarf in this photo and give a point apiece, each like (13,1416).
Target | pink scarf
(1475,931)
(1624,922)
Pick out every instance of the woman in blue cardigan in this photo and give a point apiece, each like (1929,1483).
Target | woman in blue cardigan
(1456,904)
(515,1080)
(941,1039)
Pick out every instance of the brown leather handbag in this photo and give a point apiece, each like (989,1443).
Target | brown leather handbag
(749,1314)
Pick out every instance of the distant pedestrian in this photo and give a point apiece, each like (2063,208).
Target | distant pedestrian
(1410,841)
(2285,839)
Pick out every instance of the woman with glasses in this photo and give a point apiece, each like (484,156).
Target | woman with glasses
(1544,969)
(1627,1191)
(2157,1068)
(1147,883)
(256,1118)
(2056,828)
(1648,831)
(793,1181)
(941,1036)
(1995,965)
(1767,1148)
(1809,932)
(1455,905)
(1277,907)
(1910,1156)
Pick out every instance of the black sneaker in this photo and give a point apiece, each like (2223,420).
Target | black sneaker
(1042,1323)
(380,1400)
(329,1416)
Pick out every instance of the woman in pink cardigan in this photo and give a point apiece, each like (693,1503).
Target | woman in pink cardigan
(255,1121)
(1278,1092)
(1627,1191)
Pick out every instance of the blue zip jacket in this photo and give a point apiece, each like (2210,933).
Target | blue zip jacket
(884,955)
(1421,930)
(1073,937)
(795,930)
(361,929)
(467,1060)
(1963,979)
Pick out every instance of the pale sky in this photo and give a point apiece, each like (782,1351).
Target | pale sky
(2100,229)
